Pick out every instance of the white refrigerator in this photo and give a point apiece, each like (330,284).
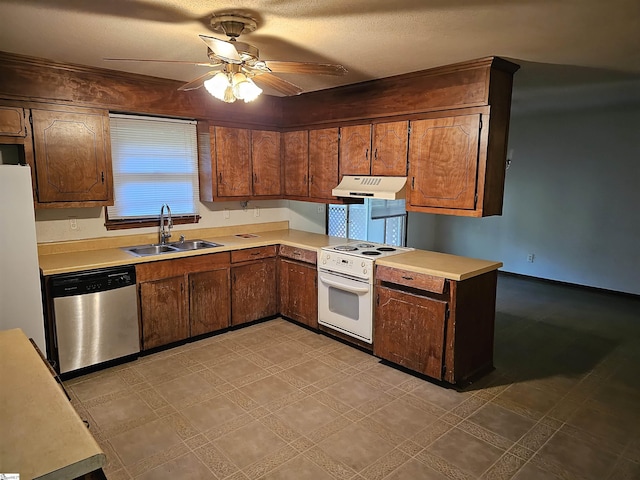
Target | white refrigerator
(20,292)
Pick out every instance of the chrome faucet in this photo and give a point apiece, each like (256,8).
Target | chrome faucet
(165,234)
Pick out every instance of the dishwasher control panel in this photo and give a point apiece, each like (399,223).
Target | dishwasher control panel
(91,281)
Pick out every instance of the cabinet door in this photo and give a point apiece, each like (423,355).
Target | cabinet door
(164,312)
(409,330)
(295,157)
(299,292)
(253,291)
(323,162)
(265,157)
(73,156)
(209,301)
(443,162)
(233,161)
(12,122)
(355,150)
(390,145)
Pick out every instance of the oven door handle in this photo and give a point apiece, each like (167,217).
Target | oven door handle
(342,286)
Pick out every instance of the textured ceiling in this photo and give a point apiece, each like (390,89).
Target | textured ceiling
(556,41)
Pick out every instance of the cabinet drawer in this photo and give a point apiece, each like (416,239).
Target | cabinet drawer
(181,266)
(301,254)
(421,281)
(253,254)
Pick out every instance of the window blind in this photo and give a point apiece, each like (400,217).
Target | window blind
(155,161)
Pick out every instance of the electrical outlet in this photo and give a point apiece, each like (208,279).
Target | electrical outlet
(531,257)
(226,214)
(320,208)
(256,211)
(73,223)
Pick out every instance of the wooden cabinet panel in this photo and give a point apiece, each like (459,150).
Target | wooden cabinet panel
(323,162)
(253,291)
(390,143)
(12,122)
(409,330)
(73,156)
(417,280)
(443,162)
(209,301)
(265,159)
(295,158)
(249,254)
(299,254)
(164,313)
(232,149)
(355,150)
(299,292)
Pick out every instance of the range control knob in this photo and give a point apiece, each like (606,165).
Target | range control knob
(324,262)
(362,264)
(364,270)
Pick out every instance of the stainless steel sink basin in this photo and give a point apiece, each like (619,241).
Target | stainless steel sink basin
(194,245)
(187,245)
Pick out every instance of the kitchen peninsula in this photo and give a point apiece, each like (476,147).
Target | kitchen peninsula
(454,345)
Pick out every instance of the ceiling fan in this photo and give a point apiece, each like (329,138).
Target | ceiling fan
(236,66)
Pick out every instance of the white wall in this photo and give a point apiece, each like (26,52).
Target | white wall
(572,193)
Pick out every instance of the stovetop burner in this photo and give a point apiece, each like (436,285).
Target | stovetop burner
(364,245)
(371,253)
(345,248)
(386,249)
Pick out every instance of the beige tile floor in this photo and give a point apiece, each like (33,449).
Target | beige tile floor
(276,401)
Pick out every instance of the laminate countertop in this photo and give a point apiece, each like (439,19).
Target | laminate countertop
(42,435)
(67,257)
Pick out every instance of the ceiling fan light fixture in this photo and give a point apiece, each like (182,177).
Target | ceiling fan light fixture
(218,85)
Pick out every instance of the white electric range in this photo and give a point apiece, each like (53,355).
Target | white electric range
(345,286)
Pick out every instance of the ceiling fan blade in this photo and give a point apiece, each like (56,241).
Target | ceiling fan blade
(305,67)
(224,50)
(282,86)
(197,82)
(183,62)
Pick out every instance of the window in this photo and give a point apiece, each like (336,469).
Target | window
(155,161)
(380,221)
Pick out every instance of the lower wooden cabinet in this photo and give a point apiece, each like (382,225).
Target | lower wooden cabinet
(209,301)
(183,298)
(409,330)
(299,292)
(254,291)
(164,312)
(440,328)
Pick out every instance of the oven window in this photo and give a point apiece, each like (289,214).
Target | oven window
(344,303)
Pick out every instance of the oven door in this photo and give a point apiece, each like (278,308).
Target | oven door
(346,305)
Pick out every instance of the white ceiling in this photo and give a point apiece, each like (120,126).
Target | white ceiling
(555,41)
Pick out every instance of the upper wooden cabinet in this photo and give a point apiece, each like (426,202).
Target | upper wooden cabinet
(379,149)
(13,122)
(231,152)
(355,150)
(443,159)
(389,142)
(72,150)
(265,160)
(241,163)
(323,162)
(295,159)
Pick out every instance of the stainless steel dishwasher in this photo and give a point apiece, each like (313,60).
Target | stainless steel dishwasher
(95,316)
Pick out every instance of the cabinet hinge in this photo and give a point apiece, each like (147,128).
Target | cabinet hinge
(475,199)
(444,370)
(480,122)
(409,131)
(378,299)
(446,314)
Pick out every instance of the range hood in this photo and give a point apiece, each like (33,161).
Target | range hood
(386,188)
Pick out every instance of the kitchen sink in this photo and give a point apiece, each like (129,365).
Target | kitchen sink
(182,246)
(194,245)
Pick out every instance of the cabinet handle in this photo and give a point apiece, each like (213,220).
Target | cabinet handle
(102,176)
(255,253)
(255,178)
(296,253)
(220,177)
(413,183)
(311,179)
(407,278)
(375,154)
(304,179)
(366,154)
